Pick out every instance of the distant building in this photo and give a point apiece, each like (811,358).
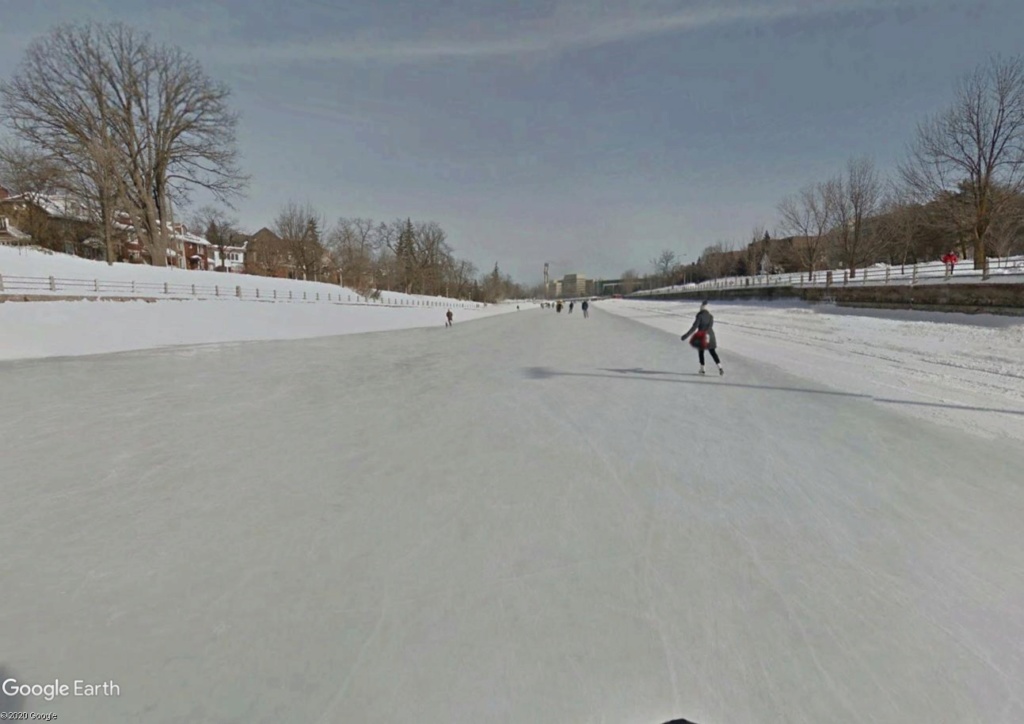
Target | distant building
(576,285)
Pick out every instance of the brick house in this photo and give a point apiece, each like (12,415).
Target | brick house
(267,254)
(57,222)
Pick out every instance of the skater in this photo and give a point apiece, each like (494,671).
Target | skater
(448,318)
(585,306)
(558,307)
(704,337)
(950,261)
(571,306)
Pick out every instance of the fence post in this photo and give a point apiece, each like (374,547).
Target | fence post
(193,290)
(257,292)
(238,291)
(166,291)
(275,294)
(350,297)
(886,274)
(846,277)
(303,296)
(53,284)
(95,286)
(984,269)
(1,282)
(318,296)
(913,275)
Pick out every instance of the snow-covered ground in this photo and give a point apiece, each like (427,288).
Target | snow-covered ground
(67,328)
(535,517)
(27,270)
(966,371)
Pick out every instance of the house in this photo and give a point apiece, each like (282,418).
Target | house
(233,257)
(55,221)
(192,250)
(11,235)
(4,193)
(267,254)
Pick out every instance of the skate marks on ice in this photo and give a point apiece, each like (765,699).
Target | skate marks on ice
(964,369)
(543,373)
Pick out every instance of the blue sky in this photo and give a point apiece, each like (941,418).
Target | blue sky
(590,134)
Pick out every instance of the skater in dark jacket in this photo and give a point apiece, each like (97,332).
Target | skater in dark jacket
(704,337)
(448,318)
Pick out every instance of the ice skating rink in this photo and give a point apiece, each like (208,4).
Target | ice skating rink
(528,518)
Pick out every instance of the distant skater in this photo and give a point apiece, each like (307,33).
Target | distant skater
(571,304)
(585,307)
(704,337)
(448,318)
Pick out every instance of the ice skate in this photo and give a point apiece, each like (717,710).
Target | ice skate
(701,370)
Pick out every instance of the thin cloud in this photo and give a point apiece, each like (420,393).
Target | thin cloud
(540,39)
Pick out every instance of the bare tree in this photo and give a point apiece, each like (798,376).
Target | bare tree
(977,144)
(1006,233)
(141,121)
(896,225)
(755,249)
(432,251)
(808,216)
(854,199)
(25,169)
(716,259)
(630,281)
(300,226)
(664,264)
(352,244)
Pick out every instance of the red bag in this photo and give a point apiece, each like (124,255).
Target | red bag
(699,340)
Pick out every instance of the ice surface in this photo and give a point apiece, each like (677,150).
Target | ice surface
(530,518)
(966,371)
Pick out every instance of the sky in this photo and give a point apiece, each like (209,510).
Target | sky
(589,134)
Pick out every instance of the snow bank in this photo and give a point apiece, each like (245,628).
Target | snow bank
(960,370)
(51,329)
(27,270)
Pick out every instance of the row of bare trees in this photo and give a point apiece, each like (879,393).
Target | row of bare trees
(122,123)
(960,186)
(403,255)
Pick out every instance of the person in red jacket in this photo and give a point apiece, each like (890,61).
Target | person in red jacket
(950,261)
